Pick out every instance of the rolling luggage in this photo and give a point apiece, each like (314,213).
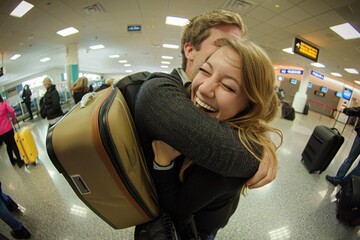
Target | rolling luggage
(348,202)
(287,111)
(96,148)
(321,148)
(26,145)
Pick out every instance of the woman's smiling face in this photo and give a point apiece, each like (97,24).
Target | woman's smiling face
(216,87)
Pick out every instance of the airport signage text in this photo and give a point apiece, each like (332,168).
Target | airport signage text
(306,49)
(316,74)
(291,71)
(134,28)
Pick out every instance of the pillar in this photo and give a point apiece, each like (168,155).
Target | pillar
(72,64)
(300,98)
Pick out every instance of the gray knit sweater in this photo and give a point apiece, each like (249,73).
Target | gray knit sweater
(164,112)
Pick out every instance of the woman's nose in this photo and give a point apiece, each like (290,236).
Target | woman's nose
(207,88)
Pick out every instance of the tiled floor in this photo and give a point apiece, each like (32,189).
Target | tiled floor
(297,205)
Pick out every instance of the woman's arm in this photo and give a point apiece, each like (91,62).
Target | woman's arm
(11,111)
(164,112)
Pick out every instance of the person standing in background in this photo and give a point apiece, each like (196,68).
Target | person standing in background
(108,83)
(7,132)
(51,102)
(7,205)
(26,96)
(80,88)
(340,177)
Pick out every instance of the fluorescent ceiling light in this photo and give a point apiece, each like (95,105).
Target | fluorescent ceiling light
(163,62)
(288,50)
(45,59)
(21,9)
(94,47)
(336,74)
(351,70)
(129,71)
(176,21)
(122,61)
(173,46)
(164,66)
(114,56)
(16,56)
(127,65)
(357,81)
(319,65)
(346,31)
(167,57)
(67,31)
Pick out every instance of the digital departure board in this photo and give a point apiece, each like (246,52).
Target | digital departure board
(306,49)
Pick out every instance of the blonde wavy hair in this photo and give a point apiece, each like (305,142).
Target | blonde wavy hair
(258,83)
(199,28)
(81,85)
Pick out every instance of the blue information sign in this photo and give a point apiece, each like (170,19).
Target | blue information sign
(134,28)
(291,71)
(316,74)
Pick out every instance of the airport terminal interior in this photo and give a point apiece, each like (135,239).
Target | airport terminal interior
(297,205)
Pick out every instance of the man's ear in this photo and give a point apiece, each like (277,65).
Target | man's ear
(189,51)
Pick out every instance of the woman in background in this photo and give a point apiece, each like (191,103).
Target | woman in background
(51,102)
(7,132)
(80,88)
(26,96)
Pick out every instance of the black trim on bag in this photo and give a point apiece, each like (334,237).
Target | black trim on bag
(110,147)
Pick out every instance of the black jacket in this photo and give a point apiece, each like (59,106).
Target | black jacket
(164,112)
(52,103)
(26,95)
(354,112)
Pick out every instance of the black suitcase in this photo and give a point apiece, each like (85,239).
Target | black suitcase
(287,111)
(348,201)
(321,148)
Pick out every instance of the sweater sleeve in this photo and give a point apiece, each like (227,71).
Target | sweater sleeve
(164,112)
(11,111)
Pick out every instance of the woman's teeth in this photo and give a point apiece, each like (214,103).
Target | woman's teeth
(204,105)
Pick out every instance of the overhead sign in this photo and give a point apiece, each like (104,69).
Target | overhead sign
(316,74)
(306,49)
(134,28)
(291,71)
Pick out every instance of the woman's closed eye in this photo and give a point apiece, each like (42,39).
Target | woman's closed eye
(227,87)
(203,70)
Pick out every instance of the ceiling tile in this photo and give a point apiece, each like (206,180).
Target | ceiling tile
(314,7)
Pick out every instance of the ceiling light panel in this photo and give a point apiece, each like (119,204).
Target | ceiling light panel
(319,65)
(172,46)
(336,74)
(94,47)
(288,50)
(351,70)
(16,56)
(167,57)
(346,31)
(176,21)
(21,9)
(45,59)
(67,31)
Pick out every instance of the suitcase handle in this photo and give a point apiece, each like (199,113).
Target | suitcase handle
(86,99)
(14,125)
(337,131)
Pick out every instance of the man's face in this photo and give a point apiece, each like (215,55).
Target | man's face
(197,58)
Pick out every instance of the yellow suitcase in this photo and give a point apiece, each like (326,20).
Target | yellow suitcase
(26,144)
